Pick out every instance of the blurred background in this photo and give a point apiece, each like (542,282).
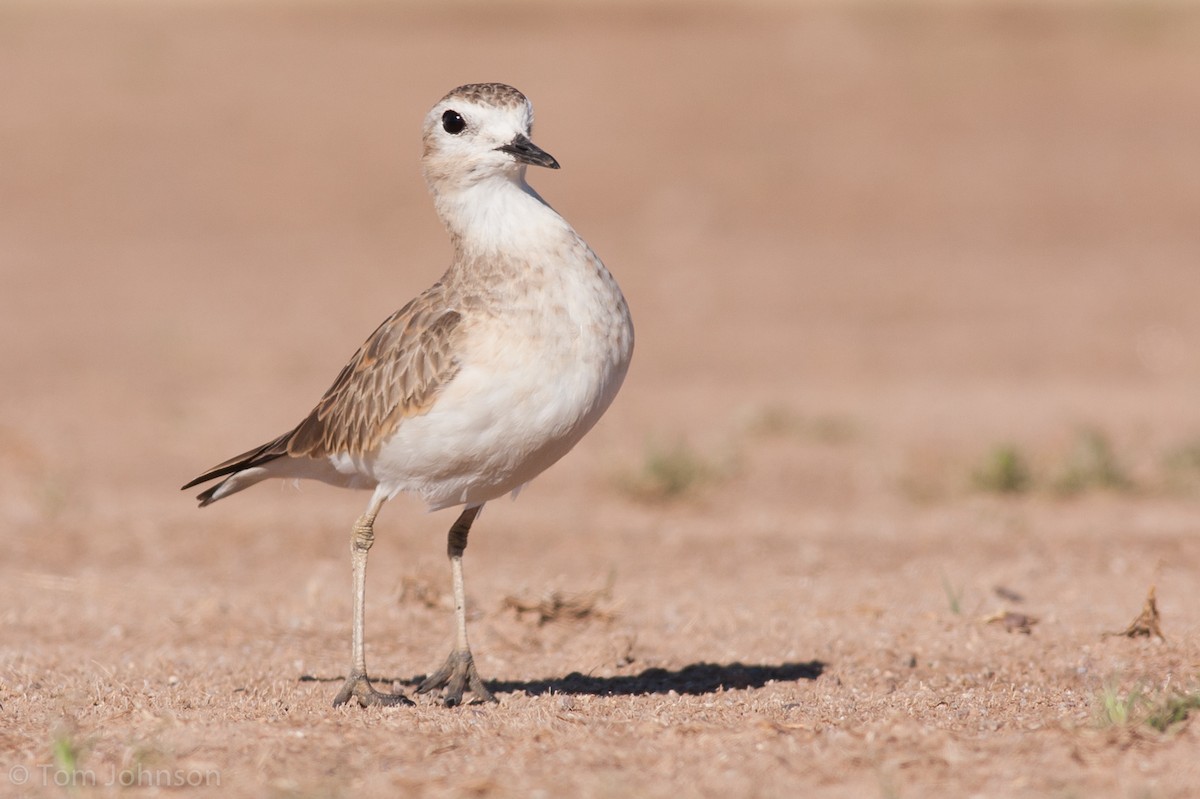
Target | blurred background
(929,216)
(922,231)
(917,296)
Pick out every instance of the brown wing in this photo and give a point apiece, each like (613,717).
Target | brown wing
(396,373)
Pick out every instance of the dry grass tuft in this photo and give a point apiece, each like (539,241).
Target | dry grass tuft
(1012,621)
(557,606)
(780,421)
(670,472)
(424,592)
(1147,622)
(1182,467)
(1092,464)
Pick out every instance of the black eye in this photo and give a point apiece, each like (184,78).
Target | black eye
(453,123)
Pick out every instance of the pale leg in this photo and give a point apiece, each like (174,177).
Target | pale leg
(458,672)
(357,685)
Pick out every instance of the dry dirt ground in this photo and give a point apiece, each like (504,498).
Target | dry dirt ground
(868,248)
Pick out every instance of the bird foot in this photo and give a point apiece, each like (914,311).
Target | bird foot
(455,675)
(359,688)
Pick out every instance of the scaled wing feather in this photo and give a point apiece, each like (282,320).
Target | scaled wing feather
(396,373)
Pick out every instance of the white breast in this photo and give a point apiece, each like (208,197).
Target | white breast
(543,357)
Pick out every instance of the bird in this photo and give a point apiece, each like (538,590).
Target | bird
(476,386)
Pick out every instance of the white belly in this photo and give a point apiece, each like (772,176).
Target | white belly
(530,386)
(492,430)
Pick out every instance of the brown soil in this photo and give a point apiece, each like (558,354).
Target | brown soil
(866,245)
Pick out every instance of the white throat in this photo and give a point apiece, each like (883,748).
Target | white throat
(497,215)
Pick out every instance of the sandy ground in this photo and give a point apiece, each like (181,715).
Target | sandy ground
(865,247)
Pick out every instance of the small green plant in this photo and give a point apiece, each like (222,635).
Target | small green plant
(1092,464)
(66,753)
(669,473)
(953,595)
(1003,471)
(1161,713)
(1173,710)
(1182,466)
(1115,710)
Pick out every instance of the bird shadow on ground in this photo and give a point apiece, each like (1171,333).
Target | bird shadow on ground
(694,679)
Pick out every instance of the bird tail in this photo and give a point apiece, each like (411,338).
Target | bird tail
(243,470)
